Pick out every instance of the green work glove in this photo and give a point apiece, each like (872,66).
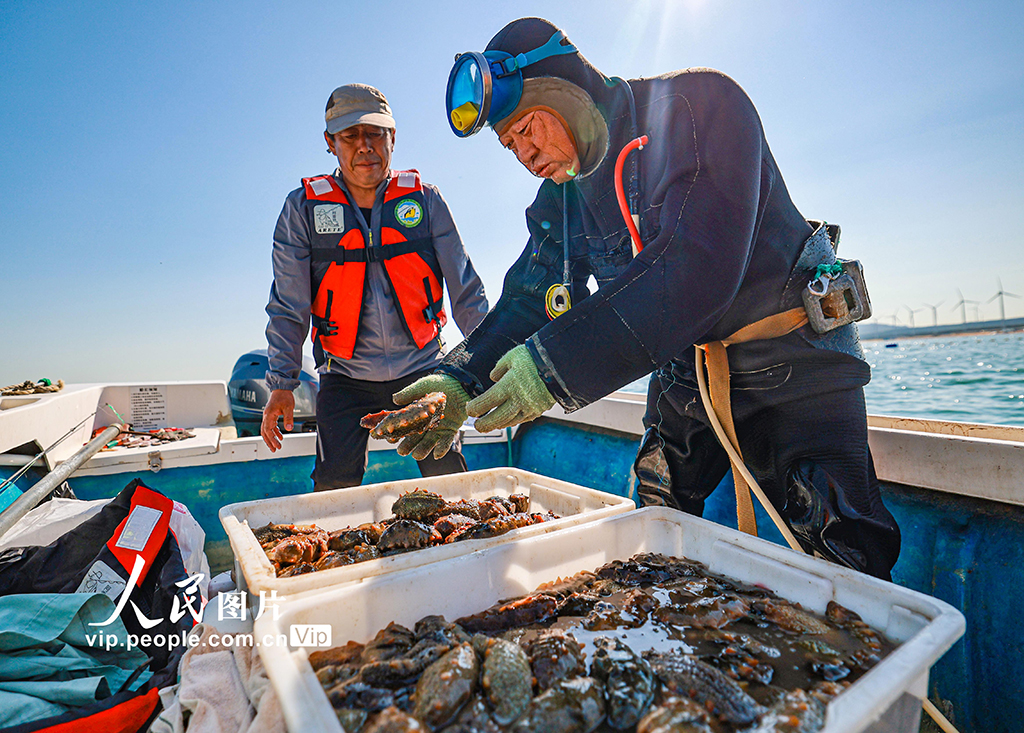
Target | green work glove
(440,438)
(518,394)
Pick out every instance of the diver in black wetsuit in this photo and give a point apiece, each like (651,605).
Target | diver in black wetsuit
(723,247)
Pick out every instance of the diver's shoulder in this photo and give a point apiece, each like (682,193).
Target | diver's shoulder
(700,85)
(692,78)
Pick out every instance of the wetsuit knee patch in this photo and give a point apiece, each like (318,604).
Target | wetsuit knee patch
(813,511)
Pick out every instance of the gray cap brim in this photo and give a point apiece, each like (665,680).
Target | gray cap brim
(360,118)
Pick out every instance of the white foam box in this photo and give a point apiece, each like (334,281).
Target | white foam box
(887,698)
(331,510)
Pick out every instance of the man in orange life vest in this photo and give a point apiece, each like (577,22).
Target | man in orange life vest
(363,254)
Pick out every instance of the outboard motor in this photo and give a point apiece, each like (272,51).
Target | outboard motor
(248,393)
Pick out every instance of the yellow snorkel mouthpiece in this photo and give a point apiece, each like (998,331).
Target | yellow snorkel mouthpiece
(464,116)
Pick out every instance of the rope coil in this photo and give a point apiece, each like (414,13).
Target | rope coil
(28,387)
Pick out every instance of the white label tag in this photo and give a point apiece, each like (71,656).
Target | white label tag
(320,186)
(139,527)
(406,180)
(101,578)
(329,218)
(147,407)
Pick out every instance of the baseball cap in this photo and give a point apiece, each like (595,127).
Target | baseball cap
(357,104)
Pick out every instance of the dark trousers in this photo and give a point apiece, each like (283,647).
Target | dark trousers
(341,442)
(809,454)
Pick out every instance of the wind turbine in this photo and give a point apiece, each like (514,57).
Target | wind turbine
(935,316)
(912,311)
(960,304)
(896,317)
(1000,294)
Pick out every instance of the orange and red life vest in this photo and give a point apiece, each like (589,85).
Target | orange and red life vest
(340,253)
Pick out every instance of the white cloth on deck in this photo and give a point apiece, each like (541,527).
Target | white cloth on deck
(222,689)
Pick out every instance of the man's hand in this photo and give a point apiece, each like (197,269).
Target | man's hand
(439,439)
(280,404)
(518,394)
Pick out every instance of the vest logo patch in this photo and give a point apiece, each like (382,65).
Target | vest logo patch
(329,218)
(409,213)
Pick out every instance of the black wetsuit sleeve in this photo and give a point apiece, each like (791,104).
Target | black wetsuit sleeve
(702,172)
(519,311)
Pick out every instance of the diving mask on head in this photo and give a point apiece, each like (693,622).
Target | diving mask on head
(485,87)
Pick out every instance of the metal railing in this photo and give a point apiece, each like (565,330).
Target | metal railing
(27,501)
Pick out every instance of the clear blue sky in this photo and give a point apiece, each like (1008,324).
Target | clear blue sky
(146,149)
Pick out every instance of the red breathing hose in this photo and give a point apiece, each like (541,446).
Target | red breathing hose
(620,194)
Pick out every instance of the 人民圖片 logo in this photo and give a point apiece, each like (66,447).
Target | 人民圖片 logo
(409,213)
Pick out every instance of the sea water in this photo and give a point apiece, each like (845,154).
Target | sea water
(967,378)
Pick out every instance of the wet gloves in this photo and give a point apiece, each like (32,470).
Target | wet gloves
(438,439)
(518,394)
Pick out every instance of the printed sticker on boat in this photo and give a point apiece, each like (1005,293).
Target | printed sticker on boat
(329,218)
(101,578)
(139,527)
(147,407)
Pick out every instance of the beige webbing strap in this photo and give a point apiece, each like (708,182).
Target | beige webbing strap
(718,364)
(771,327)
(721,402)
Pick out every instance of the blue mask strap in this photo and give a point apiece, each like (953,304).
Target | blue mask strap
(553,47)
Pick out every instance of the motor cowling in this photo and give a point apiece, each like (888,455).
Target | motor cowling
(248,393)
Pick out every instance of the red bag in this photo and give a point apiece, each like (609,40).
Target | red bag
(134,524)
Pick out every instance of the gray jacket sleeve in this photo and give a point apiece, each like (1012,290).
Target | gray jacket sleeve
(465,288)
(290,298)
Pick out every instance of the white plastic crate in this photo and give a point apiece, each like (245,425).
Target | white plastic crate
(331,510)
(887,698)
